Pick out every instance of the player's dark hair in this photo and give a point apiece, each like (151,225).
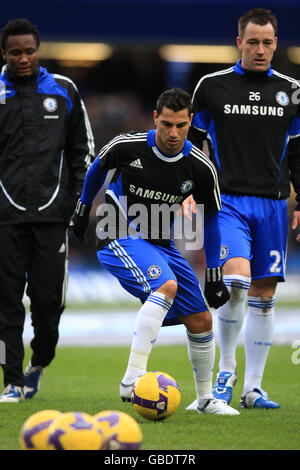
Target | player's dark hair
(259,16)
(18,27)
(175,99)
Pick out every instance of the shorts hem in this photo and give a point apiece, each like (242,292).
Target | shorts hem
(223,261)
(281,277)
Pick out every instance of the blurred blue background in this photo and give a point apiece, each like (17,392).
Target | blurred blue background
(149,21)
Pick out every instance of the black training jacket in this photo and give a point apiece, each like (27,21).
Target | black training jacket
(252,124)
(46,146)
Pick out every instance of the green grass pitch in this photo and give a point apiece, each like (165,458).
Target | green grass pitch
(87,379)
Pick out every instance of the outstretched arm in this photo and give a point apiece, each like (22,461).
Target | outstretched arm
(94,180)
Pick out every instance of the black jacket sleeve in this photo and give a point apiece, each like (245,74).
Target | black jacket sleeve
(79,150)
(79,146)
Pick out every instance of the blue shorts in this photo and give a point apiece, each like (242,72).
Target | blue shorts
(142,268)
(255,228)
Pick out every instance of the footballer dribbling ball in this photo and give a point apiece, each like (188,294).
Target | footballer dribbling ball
(121,430)
(156,396)
(35,431)
(76,431)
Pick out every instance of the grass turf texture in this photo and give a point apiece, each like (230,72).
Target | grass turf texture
(87,379)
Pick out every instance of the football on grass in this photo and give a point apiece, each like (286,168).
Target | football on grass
(121,430)
(35,431)
(76,431)
(156,396)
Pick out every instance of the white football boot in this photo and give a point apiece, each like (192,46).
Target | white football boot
(125,391)
(12,394)
(211,405)
(193,406)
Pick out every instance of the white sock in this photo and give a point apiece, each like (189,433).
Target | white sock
(147,325)
(230,320)
(258,339)
(201,349)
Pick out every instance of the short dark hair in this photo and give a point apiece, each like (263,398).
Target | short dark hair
(259,16)
(18,27)
(175,99)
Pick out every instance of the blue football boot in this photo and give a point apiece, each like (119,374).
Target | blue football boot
(32,380)
(223,386)
(257,398)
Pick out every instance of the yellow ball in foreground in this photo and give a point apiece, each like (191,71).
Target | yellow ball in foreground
(121,430)
(156,396)
(35,431)
(76,431)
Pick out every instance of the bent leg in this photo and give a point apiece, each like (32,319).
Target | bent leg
(147,326)
(142,271)
(201,350)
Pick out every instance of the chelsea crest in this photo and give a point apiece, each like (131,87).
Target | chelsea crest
(186,186)
(50,104)
(154,271)
(282,98)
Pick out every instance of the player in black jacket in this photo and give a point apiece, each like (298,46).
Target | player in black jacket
(46,146)
(155,170)
(250,116)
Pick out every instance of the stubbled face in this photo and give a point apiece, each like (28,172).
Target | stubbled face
(257,46)
(172,129)
(21,54)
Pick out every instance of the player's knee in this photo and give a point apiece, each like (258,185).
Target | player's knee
(263,287)
(169,288)
(198,322)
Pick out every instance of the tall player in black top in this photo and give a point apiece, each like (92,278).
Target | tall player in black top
(46,146)
(250,116)
(154,169)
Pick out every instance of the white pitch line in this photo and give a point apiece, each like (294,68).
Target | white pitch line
(115,328)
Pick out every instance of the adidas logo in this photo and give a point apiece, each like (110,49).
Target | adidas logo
(62,248)
(137,164)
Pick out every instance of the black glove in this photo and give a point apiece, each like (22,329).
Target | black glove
(70,202)
(80,220)
(215,291)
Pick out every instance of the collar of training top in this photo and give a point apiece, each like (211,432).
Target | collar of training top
(151,143)
(249,73)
